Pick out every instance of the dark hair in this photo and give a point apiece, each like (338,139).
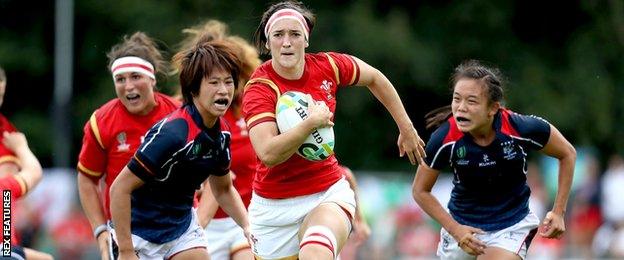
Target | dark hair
(260,39)
(217,30)
(2,75)
(200,61)
(491,78)
(139,45)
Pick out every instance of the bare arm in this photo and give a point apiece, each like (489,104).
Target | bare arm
(409,142)
(207,205)
(90,200)
(7,168)
(558,147)
(229,200)
(30,171)
(120,192)
(274,148)
(421,190)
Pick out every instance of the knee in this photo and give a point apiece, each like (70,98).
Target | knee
(318,240)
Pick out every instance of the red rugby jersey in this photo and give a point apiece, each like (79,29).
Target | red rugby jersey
(323,74)
(112,135)
(6,155)
(244,158)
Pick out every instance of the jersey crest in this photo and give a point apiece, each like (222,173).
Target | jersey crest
(122,146)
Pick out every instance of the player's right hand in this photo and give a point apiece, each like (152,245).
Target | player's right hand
(465,237)
(319,113)
(102,240)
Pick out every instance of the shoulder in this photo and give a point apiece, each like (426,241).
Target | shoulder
(519,124)
(169,132)
(262,70)
(446,133)
(108,113)
(441,142)
(531,129)
(104,119)
(5,124)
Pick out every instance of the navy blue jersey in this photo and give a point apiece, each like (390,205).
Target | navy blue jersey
(490,190)
(177,155)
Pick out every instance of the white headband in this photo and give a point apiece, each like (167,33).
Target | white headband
(287,14)
(132,64)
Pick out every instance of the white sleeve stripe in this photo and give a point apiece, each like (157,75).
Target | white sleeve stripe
(162,123)
(178,151)
(438,152)
(527,139)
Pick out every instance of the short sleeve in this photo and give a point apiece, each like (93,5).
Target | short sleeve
(259,103)
(12,184)
(438,152)
(534,130)
(6,155)
(348,72)
(92,158)
(162,141)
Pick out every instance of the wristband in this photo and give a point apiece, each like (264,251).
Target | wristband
(99,229)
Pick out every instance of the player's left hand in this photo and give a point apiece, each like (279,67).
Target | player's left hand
(361,231)
(552,226)
(410,143)
(249,236)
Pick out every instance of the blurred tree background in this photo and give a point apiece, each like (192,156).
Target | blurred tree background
(563,60)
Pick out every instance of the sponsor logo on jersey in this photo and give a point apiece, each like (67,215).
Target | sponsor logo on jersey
(486,161)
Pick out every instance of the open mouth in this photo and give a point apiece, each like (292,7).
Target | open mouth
(462,119)
(133,97)
(222,102)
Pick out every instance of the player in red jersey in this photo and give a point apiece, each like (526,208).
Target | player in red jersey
(19,171)
(302,208)
(8,161)
(18,184)
(116,129)
(226,240)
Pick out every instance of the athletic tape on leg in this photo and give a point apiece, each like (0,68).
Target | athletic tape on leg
(320,235)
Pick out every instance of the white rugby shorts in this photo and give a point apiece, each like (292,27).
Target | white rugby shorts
(193,237)
(275,223)
(224,237)
(515,239)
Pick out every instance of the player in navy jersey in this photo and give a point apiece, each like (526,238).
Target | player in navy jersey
(152,198)
(486,146)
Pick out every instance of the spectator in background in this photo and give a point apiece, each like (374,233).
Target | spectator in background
(116,129)
(609,239)
(585,215)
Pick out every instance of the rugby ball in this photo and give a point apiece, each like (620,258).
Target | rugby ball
(292,109)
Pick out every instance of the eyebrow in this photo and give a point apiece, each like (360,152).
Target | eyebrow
(469,96)
(290,30)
